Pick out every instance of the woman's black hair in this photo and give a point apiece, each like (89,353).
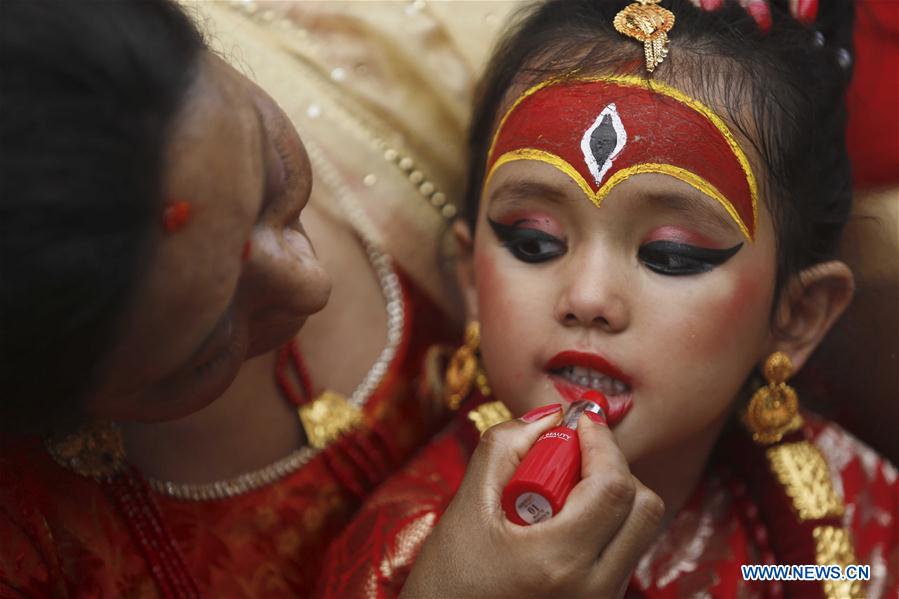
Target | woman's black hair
(88,94)
(783,90)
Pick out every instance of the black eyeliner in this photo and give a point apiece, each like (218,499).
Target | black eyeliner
(513,237)
(701,254)
(671,258)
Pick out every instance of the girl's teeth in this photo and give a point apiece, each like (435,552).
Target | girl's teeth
(593,380)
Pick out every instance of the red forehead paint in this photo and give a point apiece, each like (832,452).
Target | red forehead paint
(601,131)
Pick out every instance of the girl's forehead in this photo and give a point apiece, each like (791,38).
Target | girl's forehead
(601,131)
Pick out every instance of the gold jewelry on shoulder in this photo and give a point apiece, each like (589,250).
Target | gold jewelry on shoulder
(463,370)
(774,409)
(489,414)
(95,451)
(647,22)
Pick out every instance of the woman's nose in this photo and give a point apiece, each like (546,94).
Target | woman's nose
(593,297)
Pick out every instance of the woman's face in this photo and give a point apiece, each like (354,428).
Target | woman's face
(655,297)
(239,278)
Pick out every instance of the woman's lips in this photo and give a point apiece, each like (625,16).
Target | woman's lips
(619,405)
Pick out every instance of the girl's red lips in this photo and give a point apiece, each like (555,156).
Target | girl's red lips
(587,360)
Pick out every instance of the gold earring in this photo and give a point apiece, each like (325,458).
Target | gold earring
(773,410)
(463,369)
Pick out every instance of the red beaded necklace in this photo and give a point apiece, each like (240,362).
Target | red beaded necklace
(131,493)
(288,356)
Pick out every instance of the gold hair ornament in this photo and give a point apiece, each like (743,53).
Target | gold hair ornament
(774,409)
(647,22)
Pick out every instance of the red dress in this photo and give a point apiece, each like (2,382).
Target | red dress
(63,535)
(699,554)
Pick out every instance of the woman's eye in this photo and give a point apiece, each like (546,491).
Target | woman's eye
(678,259)
(528,245)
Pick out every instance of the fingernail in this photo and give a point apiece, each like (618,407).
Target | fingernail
(538,413)
(597,417)
(805,11)
(711,4)
(761,13)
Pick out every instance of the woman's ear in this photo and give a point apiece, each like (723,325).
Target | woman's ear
(465,268)
(809,306)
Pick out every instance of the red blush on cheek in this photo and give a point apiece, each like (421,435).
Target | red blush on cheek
(531,220)
(485,275)
(745,307)
(681,235)
(746,295)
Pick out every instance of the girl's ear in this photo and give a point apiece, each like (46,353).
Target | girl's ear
(811,303)
(465,268)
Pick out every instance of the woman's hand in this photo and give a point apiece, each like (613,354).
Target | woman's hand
(589,548)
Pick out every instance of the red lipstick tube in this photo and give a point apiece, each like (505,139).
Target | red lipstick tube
(551,468)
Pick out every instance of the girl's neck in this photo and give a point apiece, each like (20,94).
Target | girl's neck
(674,474)
(247,428)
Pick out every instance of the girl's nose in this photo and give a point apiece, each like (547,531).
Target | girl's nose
(594,298)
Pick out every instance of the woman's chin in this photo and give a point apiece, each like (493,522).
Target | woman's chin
(265,339)
(191,390)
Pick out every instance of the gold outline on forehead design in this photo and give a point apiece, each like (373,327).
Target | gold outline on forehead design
(600,131)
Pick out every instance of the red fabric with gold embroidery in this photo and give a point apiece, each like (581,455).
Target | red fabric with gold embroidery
(698,555)
(63,536)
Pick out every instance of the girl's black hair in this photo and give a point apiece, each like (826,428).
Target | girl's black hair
(783,90)
(88,94)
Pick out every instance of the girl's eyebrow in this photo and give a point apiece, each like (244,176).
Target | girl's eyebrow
(701,209)
(522,190)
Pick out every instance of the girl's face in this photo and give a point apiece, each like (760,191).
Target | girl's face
(239,279)
(656,298)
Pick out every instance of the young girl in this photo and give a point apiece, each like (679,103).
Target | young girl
(658,223)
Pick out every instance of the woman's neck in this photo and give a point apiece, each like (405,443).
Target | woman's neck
(250,426)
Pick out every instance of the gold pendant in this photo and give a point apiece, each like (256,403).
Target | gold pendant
(96,451)
(327,417)
(772,413)
(489,414)
(649,23)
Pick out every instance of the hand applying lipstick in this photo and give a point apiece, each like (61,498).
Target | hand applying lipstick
(552,467)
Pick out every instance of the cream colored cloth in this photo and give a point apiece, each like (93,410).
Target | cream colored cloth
(380,93)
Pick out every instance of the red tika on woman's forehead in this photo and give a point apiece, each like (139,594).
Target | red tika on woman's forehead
(602,131)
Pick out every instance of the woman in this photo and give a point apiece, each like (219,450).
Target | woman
(151,242)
